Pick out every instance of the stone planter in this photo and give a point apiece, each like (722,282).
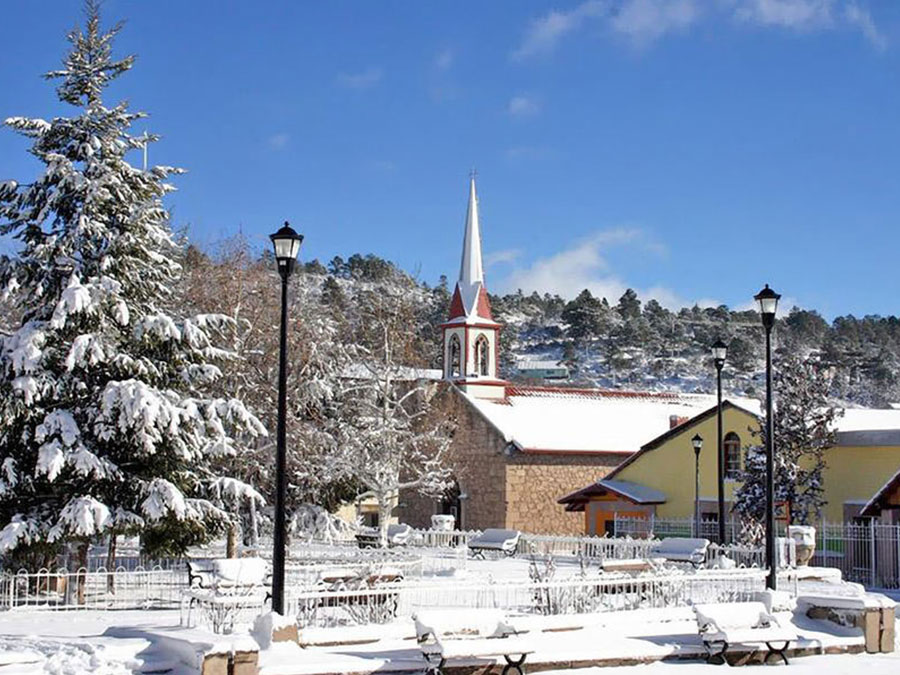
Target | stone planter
(442,522)
(804,537)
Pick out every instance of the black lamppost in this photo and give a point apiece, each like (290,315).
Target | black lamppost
(719,352)
(697,442)
(287,246)
(768,303)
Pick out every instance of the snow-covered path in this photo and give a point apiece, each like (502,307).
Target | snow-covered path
(837,664)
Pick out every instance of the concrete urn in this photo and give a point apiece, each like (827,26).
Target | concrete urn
(804,537)
(442,522)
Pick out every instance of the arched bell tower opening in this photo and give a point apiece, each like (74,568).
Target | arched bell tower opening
(470,334)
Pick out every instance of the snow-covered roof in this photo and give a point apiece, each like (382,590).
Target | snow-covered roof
(868,427)
(633,492)
(562,419)
(538,365)
(359,371)
(874,505)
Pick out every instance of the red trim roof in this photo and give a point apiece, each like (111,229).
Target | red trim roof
(456,305)
(573,392)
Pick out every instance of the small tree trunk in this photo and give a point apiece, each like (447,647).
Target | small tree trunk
(111,564)
(384,515)
(82,570)
(254,527)
(231,542)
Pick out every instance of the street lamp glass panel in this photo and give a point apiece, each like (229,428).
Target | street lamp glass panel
(768,301)
(286,243)
(719,350)
(697,442)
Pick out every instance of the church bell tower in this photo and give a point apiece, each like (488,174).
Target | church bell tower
(470,334)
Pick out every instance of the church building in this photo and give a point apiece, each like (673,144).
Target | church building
(517,449)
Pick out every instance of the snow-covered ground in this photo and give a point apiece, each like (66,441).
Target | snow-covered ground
(829,664)
(121,643)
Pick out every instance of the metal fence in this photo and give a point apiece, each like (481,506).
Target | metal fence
(98,589)
(575,595)
(868,553)
(601,548)
(865,552)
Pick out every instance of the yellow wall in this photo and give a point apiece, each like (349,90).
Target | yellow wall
(856,474)
(670,467)
(852,474)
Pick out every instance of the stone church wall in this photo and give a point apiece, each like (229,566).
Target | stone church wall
(515,490)
(535,481)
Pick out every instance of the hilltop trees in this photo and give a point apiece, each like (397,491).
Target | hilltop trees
(105,425)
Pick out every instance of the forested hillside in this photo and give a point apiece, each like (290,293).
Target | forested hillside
(631,343)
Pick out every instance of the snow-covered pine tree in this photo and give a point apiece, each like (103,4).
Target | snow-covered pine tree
(803,430)
(104,425)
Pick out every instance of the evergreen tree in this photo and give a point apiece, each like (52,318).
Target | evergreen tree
(803,430)
(104,425)
(585,316)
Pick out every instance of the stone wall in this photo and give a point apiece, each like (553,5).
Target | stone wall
(477,459)
(534,483)
(506,488)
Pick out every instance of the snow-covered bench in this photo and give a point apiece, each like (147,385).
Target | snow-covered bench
(226,585)
(681,549)
(725,624)
(469,634)
(494,539)
(397,535)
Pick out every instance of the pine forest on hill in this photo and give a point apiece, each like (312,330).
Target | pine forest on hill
(625,342)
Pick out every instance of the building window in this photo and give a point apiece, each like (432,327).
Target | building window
(482,355)
(732,448)
(453,357)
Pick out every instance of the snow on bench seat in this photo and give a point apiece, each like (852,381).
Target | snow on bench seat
(495,539)
(728,623)
(681,549)
(469,634)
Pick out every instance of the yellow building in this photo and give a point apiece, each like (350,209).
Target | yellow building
(659,480)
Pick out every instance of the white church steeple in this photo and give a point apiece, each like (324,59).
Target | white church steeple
(471,270)
(471,335)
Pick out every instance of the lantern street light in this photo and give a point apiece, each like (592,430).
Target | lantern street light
(287,245)
(697,442)
(719,352)
(768,304)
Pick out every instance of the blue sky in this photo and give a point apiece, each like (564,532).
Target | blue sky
(691,149)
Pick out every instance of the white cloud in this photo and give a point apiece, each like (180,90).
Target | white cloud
(584,265)
(545,32)
(797,14)
(862,19)
(278,141)
(362,80)
(444,59)
(644,21)
(523,106)
(507,255)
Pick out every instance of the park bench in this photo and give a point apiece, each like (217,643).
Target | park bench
(493,539)
(681,549)
(466,634)
(725,624)
(397,535)
(224,586)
